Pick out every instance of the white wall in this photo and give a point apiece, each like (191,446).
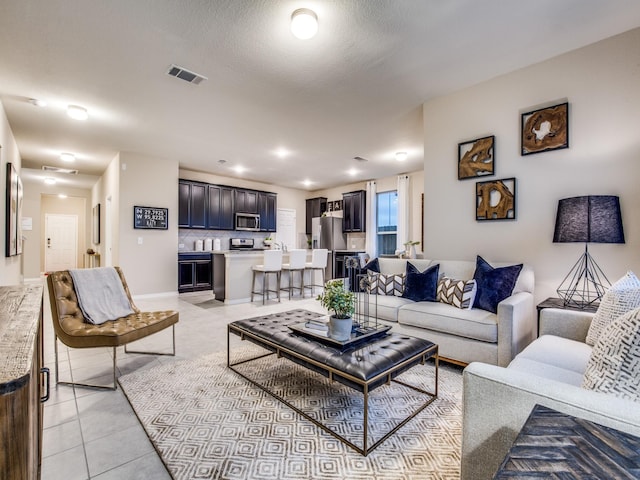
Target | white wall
(602,85)
(10,267)
(150,266)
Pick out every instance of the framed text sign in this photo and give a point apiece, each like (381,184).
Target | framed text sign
(151,218)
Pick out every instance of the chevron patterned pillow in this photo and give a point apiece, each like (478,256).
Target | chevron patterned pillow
(459,293)
(614,365)
(381,284)
(621,297)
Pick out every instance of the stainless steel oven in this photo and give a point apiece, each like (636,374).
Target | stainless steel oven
(248,221)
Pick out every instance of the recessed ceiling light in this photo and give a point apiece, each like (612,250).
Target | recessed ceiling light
(77,112)
(67,157)
(352,172)
(239,169)
(307,183)
(304,23)
(50,181)
(282,153)
(62,195)
(37,102)
(401,156)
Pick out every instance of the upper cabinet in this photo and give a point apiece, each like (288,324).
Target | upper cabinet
(220,213)
(246,201)
(267,208)
(213,207)
(192,204)
(315,208)
(354,206)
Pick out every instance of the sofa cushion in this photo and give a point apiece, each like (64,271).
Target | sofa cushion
(614,366)
(494,284)
(546,370)
(381,284)
(474,323)
(621,297)
(559,352)
(421,286)
(384,307)
(459,293)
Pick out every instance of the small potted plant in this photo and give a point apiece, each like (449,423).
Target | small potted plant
(410,248)
(341,302)
(268,241)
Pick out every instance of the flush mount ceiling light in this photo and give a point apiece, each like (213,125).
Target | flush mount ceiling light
(304,23)
(67,157)
(401,156)
(77,112)
(50,181)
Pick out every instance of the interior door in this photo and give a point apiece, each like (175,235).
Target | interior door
(61,242)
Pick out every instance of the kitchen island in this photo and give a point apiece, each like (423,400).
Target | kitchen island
(232,274)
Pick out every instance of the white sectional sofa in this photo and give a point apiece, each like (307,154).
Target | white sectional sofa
(463,335)
(549,372)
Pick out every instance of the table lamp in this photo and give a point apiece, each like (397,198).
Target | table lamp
(588,219)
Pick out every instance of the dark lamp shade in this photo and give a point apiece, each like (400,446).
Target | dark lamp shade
(589,219)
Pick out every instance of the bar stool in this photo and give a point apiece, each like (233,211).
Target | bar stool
(297,263)
(271,264)
(318,262)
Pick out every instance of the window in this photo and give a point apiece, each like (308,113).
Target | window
(387,222)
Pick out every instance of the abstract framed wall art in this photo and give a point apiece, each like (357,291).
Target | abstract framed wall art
(11,213)
(476,158)
(545,129)
(496,200)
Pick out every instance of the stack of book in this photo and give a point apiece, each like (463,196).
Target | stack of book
(318,325)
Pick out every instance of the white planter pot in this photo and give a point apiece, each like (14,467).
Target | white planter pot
(340,328)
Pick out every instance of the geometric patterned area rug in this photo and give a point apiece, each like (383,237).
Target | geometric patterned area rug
(206,422)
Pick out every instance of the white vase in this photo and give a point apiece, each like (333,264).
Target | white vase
(340,328)
(412,251)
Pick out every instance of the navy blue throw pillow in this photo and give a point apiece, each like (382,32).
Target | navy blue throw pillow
(494,284)
(421,286)
(372,266)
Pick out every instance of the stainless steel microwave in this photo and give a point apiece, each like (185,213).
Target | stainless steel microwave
(248,221)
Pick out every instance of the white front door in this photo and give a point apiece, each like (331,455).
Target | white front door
(60,242)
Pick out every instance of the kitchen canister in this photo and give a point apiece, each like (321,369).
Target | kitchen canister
(199,246)
(208,244)
(216,244)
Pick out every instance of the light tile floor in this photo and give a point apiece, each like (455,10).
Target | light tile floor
(91,434)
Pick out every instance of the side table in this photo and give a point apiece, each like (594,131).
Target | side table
(552,302)
(555,445)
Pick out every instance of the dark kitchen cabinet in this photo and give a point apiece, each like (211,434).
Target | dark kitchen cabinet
(354,211)
(194,272)
(267,208)
(220,214)
(315,208)
(192,204)
(246,201)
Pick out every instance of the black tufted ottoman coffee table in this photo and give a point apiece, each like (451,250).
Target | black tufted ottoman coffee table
(364,367)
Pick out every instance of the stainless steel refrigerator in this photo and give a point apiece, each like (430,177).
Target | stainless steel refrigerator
(327,233)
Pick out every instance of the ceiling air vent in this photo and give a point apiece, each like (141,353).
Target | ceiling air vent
(69,171)
(186,75)
(360,159)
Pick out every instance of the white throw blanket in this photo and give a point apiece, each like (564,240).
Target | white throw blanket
(101,295)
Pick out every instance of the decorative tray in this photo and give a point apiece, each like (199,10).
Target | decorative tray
(358,334)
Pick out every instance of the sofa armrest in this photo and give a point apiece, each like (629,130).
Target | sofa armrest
(571,324)
(497,401)
(516,326)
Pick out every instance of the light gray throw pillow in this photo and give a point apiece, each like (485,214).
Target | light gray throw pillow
(614,365)
(623,296)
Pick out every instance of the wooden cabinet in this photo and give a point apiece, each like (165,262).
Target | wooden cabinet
(220,214)
(354,206)
(195,272)
(192,204)
(315,207)
(246,201)
(21,382)
(268,209)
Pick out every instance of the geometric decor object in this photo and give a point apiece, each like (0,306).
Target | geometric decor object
(476,158)
(496,200)
(545,129)
(588,219)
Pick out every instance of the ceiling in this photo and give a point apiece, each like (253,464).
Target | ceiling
(286,110)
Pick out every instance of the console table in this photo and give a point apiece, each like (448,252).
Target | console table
(557,446)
